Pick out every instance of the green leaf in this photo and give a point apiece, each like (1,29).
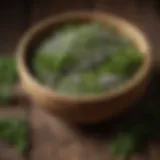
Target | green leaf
(123,145)
(8,73)
(6,94)
(14,131)
(8,77)
(124,63)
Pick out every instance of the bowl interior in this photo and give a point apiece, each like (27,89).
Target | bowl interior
(46,32)
(46,27)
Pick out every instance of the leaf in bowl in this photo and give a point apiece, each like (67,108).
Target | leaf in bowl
(125,63)
(70,84)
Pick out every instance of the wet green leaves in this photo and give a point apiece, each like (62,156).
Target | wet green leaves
(87,52)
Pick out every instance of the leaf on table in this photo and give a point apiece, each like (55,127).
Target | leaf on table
(8,77)
(14,131)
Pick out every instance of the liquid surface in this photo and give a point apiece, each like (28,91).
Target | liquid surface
(85,59)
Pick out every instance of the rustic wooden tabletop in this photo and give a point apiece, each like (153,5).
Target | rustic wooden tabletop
(50,137)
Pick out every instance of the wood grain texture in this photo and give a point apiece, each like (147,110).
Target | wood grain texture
(53,138)
(61,142)
(13,22)
(8,152)
(42,9)
(12,112)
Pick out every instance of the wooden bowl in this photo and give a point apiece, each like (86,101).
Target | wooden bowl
(87,108)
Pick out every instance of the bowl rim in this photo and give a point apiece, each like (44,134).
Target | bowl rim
(123,26)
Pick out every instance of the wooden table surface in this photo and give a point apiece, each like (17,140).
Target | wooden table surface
(50,137)
(54,138)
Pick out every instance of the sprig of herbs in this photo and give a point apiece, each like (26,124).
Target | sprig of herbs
(8,77)
(138,133)
(14,131)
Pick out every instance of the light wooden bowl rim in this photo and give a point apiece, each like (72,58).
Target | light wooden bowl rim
(120,24)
